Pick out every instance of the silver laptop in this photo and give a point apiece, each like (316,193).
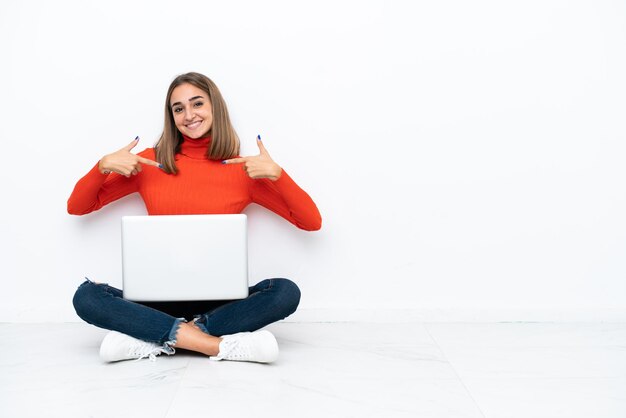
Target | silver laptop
(184,257)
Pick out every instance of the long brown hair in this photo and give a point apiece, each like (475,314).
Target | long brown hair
(224,139)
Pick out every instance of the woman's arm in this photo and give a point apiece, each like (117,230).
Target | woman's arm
(285,198)
(95,190)
(274,189)
(114,176)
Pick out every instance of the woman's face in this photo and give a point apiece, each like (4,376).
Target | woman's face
(192,110)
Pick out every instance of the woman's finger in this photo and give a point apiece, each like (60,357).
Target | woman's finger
(132,145)
(148,161)
(235,160)
(262,149)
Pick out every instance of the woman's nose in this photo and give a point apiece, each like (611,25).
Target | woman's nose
(188,114)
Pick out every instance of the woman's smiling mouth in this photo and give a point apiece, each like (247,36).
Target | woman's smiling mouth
(193,125)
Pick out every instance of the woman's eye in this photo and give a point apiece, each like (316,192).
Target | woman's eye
(198,104)
(178,109)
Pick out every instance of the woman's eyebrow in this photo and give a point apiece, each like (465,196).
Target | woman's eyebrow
(191,100)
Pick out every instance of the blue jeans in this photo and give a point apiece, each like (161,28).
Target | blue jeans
(103,306)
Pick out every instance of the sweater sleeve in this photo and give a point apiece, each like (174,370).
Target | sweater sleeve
(285,198)
(95,190)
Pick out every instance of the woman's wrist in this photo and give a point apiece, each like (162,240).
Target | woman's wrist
(101,167)
(278,171)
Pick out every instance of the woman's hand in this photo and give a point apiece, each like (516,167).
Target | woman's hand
(260,166)
(124,162)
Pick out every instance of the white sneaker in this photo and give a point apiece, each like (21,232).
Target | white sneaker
(259,346)
(117,346)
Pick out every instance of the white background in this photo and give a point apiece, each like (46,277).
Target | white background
(467,157)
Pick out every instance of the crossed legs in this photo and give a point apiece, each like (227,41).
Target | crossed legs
(268,301)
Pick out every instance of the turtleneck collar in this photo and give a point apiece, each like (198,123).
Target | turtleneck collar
(195,148)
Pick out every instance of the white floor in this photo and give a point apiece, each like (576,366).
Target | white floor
(528,370)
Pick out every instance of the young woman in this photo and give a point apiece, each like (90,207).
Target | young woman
(194,168)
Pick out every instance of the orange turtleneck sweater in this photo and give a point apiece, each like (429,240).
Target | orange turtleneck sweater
(202,186)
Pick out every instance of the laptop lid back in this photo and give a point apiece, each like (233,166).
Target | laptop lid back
(184,257)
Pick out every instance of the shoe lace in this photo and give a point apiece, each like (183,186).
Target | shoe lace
(235,350)
(145,349)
